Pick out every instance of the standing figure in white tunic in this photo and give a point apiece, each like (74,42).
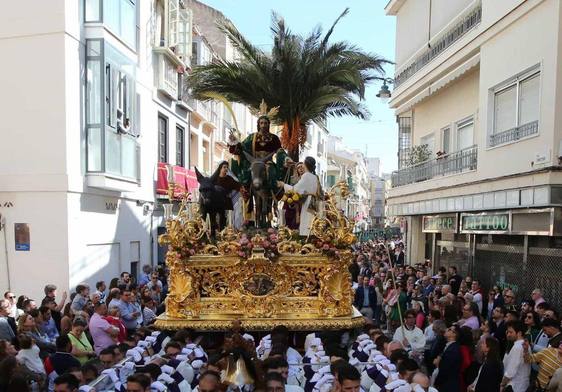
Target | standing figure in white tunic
(308,186)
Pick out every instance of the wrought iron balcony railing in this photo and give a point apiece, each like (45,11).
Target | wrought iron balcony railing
(448,38)
(456,162)
(513,134)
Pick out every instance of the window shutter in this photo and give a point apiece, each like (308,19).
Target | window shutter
(173,18)
(114,90)
(504,109)
(529,100)
(465,135)
(136,128)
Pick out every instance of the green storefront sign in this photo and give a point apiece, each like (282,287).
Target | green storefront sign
(485,223)
(440,224)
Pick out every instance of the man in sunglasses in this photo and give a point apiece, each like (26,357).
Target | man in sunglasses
(14,312)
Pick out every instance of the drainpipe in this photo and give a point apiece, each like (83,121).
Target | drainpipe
(3,228)
(429,26)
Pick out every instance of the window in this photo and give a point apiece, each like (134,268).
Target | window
(121,17)
(162,139)
(465,134)
(430,141)
(446,140)
(180,146)
(516,109)
(111,111)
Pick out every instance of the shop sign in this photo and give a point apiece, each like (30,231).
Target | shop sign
(484,223)
(440,224)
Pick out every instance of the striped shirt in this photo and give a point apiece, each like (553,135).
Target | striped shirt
(548,361)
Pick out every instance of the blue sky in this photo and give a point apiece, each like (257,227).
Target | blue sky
(366,26)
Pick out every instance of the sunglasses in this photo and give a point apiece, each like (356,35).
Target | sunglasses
(12,297)
(529,317)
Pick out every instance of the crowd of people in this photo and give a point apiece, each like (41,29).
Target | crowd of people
(461,336)
(424,331)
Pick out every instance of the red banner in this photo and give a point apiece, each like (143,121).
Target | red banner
(184,180)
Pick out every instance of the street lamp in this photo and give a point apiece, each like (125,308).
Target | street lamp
(384,93)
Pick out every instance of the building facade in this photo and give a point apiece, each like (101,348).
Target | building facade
(316,147)
(478,86)
(351,166)
(87,131)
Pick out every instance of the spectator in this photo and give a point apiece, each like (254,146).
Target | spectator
(130,311)
(27,326)
(534,333)
(437,345)
(29,305)
(62,361)
(114,318)
(551,328)
(454,280)
(145,275)
(125,280)
(100,290)
(80,299)
(103,333)
(6,329)
(155,287)
(47,326)
(148,311)
(81,346)
(509,300)
(516,370)
(491,372)
(366,299)
(13,311)
(498,327)
(66,320)
(449,363)
(28,356)
(548,361)
(470,317)
(537,297)
(56,309)
(476,293)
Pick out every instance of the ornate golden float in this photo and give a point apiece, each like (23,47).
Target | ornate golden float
(263,279)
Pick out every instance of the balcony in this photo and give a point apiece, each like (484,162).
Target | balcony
(167,82)
(454,163)
(204,110)
(440,43)
(514,134)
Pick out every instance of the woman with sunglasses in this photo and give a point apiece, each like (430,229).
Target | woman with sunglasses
(535,334)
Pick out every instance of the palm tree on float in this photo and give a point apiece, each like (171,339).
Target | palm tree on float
(308,78)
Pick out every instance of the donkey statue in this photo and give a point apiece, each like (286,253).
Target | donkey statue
(260,189)
(212,202)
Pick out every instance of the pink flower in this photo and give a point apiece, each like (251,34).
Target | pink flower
(266,244)
(241,254)
(244,241)
(273,237)
(270,231)
(326,247)
(250,245)
(192,252)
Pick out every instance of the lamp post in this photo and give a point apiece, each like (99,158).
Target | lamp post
(384,93)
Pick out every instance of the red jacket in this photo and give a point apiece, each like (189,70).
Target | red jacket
(119,324)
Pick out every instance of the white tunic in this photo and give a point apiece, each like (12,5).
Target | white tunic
(307,185)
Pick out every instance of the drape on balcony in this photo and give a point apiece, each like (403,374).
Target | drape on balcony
(184,179)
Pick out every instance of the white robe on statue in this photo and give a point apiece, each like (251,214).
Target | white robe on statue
(307,185)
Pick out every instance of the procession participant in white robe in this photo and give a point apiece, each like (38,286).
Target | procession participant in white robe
(309,186)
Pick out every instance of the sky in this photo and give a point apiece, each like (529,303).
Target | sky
(366,26)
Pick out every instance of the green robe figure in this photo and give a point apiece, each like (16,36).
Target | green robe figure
(259,144)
